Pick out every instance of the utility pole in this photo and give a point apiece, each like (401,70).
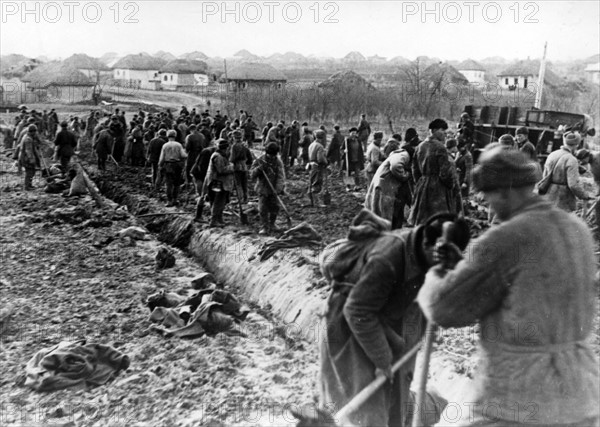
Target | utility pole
(538,95)
(226,83)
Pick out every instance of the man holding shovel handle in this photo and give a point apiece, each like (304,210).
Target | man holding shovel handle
(529,284)
(371,319)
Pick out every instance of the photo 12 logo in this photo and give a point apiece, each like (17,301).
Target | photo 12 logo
(270,11)
(69,11)
(470,11)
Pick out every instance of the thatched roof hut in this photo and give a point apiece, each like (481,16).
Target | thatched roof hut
(184,66)
(57,74)
(81,61)
(254,72)
(139,62)
(530,69)
(445,73)
(345,79)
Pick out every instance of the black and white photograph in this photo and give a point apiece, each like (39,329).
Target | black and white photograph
(299,213)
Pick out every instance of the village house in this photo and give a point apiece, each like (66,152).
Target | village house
(91,67)
(138,71)
(183,74)
(592,73)
(472,70)
(247,76)
(525,75)
(57,82)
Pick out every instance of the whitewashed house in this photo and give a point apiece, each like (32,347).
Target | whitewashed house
(183,74)
(524,75)
(472,70)
(138,71)
(592,73)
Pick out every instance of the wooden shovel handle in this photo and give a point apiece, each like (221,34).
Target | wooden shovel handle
(358,400)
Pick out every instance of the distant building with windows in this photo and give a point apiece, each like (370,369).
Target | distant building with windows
(250,75)
(525,75)
(183,74)
(138,71)
(472,70)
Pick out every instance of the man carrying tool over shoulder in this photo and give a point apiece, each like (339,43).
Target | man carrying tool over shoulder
(268,166)
(529,284)
(371,318)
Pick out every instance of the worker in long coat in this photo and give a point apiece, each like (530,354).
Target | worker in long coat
(433,173)
(371,319)
(389,191)
(29,155)
(103,147)
(529,285)
(565,187)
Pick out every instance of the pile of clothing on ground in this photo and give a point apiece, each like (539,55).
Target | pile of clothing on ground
(74,364)
(207,312)
(301,235)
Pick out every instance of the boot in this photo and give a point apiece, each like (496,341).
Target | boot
(199,209)
(273,227)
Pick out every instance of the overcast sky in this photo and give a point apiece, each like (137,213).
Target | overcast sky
(464,29)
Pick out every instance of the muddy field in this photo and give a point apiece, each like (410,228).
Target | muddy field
(67,276)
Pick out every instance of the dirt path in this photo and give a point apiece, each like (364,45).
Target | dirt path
(65,283)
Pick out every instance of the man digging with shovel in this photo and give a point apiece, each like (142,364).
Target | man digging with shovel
(372,320)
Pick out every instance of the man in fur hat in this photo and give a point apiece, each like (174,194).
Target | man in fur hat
(565,187)
(529,285)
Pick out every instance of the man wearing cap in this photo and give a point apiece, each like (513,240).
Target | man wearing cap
(219,182)
(29,155)
(433,175)
(364,130)
(374,156)
(268,206)
(529,285)
(153,156)
(522,136)
(65,143)
(240,157)
(562,165)
(318,164)
(171,162)
(354,156)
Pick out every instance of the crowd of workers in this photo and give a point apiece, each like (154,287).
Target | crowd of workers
(388,278)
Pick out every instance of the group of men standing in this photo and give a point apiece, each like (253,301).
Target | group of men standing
(527,282)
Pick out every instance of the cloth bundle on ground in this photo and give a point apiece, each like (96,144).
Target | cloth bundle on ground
(208,311)
(74,364)
(300,235)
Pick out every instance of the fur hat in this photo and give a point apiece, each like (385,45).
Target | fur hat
(571,138)
(223,144)
(378,135)
(320,134)
(172,133)
(522,131)
(500,168)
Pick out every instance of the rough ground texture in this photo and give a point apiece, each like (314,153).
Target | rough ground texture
(66,279)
